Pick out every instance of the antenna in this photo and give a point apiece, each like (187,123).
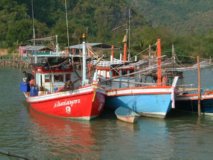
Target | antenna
(33,23)
(68,38)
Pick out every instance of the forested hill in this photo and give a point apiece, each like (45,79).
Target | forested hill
(185,23)
(100,19)
(182,16)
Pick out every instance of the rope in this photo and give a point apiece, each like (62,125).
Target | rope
(151,68)
(143,50)
(13,155)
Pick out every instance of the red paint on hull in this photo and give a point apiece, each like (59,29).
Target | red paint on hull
(86,105)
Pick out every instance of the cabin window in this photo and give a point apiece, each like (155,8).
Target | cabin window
(132,71)
(115,73)
(58,78)
(67,77)
(47,78)
(124,72)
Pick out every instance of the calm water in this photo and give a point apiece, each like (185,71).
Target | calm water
(32,135)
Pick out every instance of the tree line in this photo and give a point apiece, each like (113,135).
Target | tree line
(102,20)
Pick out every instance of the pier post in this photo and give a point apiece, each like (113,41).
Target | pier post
(198,86)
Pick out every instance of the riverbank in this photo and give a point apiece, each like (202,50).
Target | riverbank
(13,62)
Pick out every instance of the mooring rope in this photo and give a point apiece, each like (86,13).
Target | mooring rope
(13,155)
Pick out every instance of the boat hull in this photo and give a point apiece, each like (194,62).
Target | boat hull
(189,102)
(129,119)
(150,102)
(85,103)
(126,115)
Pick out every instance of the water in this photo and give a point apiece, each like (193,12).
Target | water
(35,136)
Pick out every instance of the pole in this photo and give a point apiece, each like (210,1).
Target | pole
(112,53)
(67,24)
(120,56)
(173,54)
(84,80)
(125,51)
(56,42)
(149,55)
(125,48)
(199,86)
(159,72)
(129,35)
(33,23)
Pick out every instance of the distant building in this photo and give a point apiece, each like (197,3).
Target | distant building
(92,48)
(32,50)
(31,53)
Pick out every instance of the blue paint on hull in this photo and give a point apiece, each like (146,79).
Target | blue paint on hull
(143,104)
(191,106)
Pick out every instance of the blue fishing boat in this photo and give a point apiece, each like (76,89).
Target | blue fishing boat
(146,101)
(152,100)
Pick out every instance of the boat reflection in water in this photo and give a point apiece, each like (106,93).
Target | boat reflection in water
(63,138)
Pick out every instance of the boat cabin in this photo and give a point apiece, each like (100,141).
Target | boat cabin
(52,80)
(108,70)
(115,74)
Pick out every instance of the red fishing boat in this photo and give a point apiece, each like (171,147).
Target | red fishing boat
(57,93)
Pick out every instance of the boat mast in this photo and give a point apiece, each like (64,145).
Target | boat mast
(159,72)
(112,53)
(33,23)
(84,77)
(56,41)
(173,54)
(125,48)
(68,38)
(129,55)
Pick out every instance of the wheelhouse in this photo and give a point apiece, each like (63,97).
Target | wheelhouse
(51,80)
